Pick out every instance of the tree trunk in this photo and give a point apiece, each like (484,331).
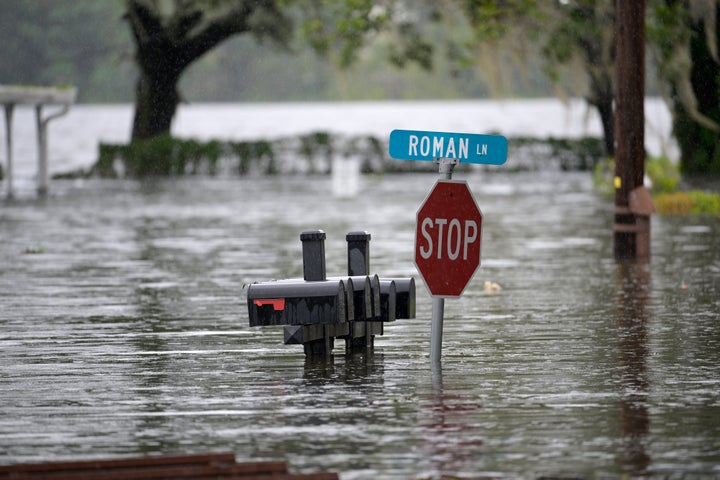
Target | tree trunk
(156,100)
(607,117)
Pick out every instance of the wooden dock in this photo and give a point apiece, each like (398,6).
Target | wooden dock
(39,97)
(221,466)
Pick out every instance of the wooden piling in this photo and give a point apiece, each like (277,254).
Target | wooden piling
(632,227)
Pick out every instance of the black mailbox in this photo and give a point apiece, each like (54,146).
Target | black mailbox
(297,302)
(348,283)
(376,291)
(316,310)
(405,292)
(366,297)
(388,300)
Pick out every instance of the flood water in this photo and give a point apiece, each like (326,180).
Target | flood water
(124,332)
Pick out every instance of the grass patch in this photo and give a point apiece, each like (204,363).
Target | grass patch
(694,202)
(665,178)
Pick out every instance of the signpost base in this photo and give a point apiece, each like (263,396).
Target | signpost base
(436,329)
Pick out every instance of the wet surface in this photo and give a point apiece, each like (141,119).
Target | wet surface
(124,331)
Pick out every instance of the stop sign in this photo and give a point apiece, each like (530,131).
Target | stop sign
(447,238)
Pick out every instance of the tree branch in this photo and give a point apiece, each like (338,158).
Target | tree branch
(144,20)
(262,18)
(184,22)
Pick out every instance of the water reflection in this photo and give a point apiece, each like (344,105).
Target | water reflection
(450,437)
(357,368)
(632,295)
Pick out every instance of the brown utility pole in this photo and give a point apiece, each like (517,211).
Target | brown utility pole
(633,204)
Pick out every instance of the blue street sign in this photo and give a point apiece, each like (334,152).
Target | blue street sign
(465,147)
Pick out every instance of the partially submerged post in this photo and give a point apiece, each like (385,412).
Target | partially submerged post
(313,248)
(362,333)
(358,244)
(633,205)
(11,95)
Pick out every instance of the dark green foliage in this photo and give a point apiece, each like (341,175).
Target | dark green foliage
(314,145)
(313,154)
(699,144)
(663,173)
(338,29)
(684,51)
(158,156)
(375,150)
(251,152)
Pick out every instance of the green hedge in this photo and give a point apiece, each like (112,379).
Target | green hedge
(313,154)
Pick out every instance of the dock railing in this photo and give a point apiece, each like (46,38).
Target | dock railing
(39,97)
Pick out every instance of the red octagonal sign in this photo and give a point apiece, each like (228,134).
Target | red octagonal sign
(447,239)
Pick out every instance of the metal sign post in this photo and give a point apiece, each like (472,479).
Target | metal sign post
(447,244)
(449,222)
(445,168)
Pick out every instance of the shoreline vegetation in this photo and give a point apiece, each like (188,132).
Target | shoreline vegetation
(315,153)
(311,154)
